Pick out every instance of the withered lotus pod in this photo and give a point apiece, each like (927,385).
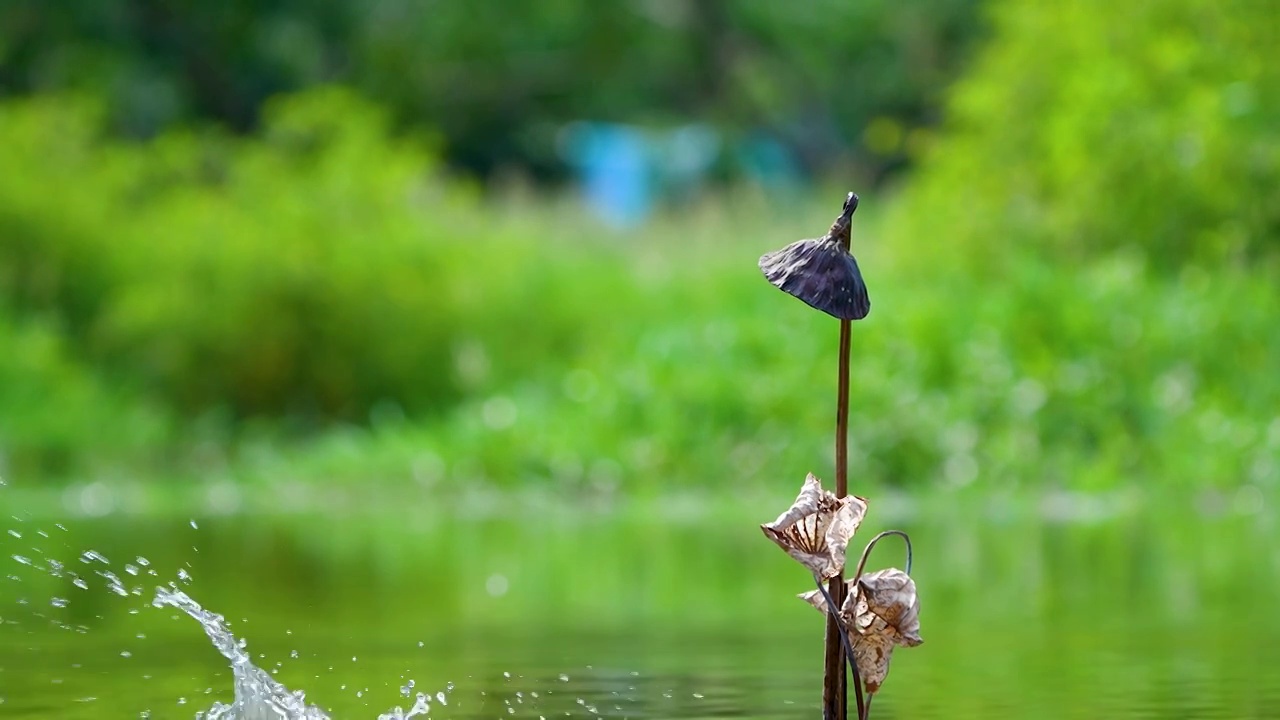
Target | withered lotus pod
(816,529)
(822,272)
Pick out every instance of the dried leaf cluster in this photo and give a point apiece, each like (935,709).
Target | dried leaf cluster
(881,611)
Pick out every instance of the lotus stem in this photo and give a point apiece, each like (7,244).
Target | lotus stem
(834,616)
(866,552)
(835,691)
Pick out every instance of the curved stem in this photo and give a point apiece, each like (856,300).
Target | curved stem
(848,648)
(862,562)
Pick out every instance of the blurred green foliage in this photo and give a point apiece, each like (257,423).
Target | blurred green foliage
(498,79)
(318,299)
(1090,126)
(312,271)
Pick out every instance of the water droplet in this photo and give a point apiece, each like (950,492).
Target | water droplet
(16,534)
(58,602)
(194,526)
(93,555)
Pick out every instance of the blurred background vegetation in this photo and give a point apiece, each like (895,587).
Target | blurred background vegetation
(328,242)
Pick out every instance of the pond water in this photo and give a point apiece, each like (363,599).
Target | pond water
(1053,608)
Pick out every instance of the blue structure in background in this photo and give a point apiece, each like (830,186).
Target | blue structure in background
(614,165)
(623,169)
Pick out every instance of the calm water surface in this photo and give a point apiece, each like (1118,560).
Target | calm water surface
(1026,613)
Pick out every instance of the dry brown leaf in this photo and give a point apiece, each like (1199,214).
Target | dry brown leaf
(816,529)
(816,599)
(880,612)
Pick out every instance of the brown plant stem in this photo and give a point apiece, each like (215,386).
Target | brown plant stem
(835,690)
(866,552)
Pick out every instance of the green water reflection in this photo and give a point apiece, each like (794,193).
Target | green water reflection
(1062,609)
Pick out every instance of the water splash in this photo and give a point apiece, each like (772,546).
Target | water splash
(257,695)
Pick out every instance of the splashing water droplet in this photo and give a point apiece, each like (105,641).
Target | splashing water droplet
(113,583)
(258,696)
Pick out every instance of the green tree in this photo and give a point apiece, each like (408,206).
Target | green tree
(1093,126)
